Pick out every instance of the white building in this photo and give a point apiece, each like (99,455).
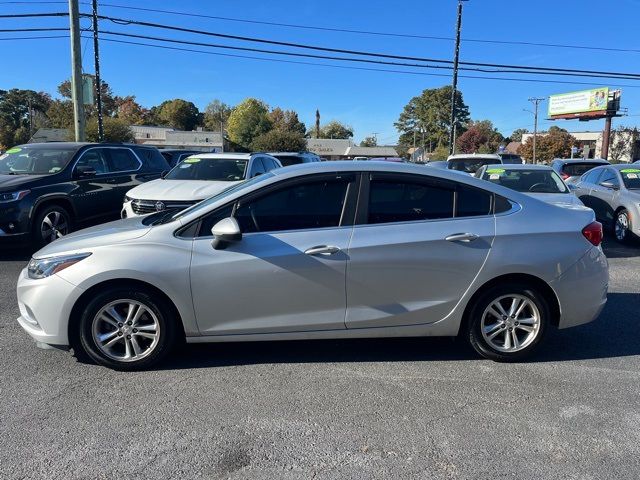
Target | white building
(165,137)
(344,149)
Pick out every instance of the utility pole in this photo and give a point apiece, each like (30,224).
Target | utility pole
(96,59)
(454,83)
(606,137)
(76,71)
(30,119)
(536,101)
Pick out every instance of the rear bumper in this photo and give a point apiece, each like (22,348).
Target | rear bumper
(582,289)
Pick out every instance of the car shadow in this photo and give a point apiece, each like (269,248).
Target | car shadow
(614,249)
(591,341)
(15,253)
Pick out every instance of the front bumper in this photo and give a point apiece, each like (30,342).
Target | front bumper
(582,289)
(45,307)
(14,219)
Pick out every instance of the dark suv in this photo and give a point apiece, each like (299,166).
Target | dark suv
(47,189)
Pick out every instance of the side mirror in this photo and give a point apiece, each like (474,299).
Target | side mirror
(610,185)
(224,232)
(84,171)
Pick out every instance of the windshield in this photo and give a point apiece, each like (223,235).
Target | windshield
(469,165)
(528,181)
(287,160)
(220,169)
(579,169)
(631,178)
(35,160)
(203,205)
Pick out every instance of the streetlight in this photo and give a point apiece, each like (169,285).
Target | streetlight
(454,82)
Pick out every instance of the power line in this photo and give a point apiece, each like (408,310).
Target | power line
(35,38)
(6,30)
(122,21)
(348,67)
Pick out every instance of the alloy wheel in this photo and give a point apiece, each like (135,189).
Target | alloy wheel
(54,225)
(510,323)
(126,330)
(622,226)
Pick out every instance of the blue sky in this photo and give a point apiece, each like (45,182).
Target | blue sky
(369,101)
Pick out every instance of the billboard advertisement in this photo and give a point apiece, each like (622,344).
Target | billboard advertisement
(594,100)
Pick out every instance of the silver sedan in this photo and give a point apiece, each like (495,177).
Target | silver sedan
(324,250)
(613,192)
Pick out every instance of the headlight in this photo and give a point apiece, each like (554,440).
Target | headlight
(13,196)
(45,267)
(127,199)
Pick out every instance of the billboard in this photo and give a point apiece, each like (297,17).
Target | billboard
(585,101)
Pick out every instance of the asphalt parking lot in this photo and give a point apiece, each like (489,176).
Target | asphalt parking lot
(410,408)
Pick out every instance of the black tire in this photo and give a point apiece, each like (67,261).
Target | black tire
(474,322)
(47,211)
(167,330)
(623,235)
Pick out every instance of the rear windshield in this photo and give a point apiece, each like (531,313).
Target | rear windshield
(287,160)
(528,181)
(470,165)
(631,178)
(35,160)
(579,169)
(221,169)
(513,159)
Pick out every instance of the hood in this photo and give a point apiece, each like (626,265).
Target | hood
(162,189)
(9,183)
(106,234)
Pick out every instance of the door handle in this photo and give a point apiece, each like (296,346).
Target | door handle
(322,250)
(462,237)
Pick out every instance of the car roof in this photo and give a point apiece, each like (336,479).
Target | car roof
(179,150)
(597,161)
(222,156)
(622,166)
(483,156)
(519,166)
(291,154)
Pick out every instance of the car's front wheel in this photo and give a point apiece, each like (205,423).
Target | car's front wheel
(127,329)
(50,223)
(507,322)
(622,226)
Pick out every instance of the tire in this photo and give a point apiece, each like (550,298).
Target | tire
(136,345)
(622,226)
(493,343)
(54,216)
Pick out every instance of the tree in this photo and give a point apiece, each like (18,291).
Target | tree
(16,123)
(278,140)
(369,142)
(481,137)
(109,104)
(440,153)
(248,120)
(178,114)
(334,129)
(516,136)
(286,120)
(428,116)
(621,144)
(556,143)
(216,115)
(130,111)
(115,130)
(60,114)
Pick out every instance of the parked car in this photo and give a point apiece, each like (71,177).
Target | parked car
(438,164)
(539,181)
(360,158)
(48,189)
(572,169)
(511,158)
(194,179)
(294,158)
(613,192)
(175,156)
(452,255)
(471,162)
(388,159)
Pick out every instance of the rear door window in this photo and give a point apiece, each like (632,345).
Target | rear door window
(472,202)
(122,160)
(95,158)
(592,176)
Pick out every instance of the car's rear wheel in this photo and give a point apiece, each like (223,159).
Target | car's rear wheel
(127,329)
(507,322)
(51,222)
(622,226)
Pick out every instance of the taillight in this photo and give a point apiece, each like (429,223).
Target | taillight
(593,233)
(564,176)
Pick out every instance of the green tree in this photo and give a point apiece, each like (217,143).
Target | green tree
(334,129)
(60,114)
(14,114)
(109,104)
(440,153)
(216,115)
(556,143)
(178,114)
(516,136)
(115,130)
(286,120)
(278,140)
(369,142)
(430,114)
(248,120)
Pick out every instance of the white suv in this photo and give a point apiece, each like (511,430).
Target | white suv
(194,179)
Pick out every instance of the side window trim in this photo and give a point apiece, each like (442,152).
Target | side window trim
(107,148)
